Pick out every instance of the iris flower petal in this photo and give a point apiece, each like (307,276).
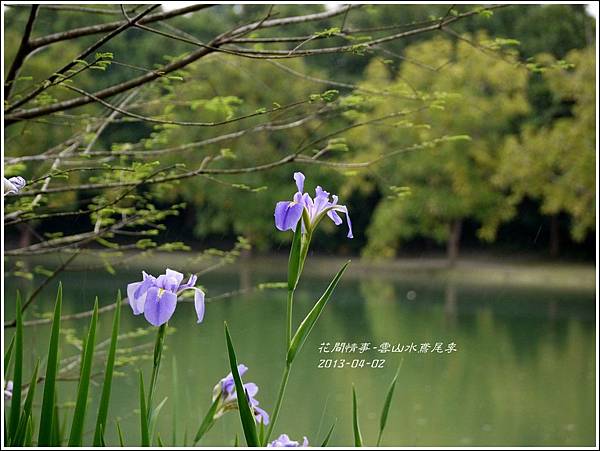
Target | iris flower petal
(261,415)
(251,389)
(199,303)
(299,178)
(287,215)
(174,275)
(159,308)
(136,302)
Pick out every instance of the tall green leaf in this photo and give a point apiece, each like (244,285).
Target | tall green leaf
(154,418)
(49,397)
(357,436)
(386,405)
(145,435)
(15,405)
(108,375)
(120,434)
(208,420)
(246,416)
(310,320)
(87,360)
(328,436)
(27,407)
(8,355)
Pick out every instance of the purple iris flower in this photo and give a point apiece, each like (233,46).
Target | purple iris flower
(13,185)
(284,442)
(226,390)
(156,297)
(8,391)
(288,213)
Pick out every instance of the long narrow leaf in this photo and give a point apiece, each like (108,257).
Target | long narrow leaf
(208,420)
(154,418)
(15,406)
(328,436)
(143,414)
(357,435)
(56,435)
(386,405)
(87,360)
(312,317)
(246,416)
(120,434)
(108,375)
(47,412)
(27,407)
(8,355)
(29,434)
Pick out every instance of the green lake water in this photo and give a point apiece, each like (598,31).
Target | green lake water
(523,372)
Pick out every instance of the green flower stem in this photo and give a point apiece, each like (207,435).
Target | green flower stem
(290,302)
(284,380)
(158,348)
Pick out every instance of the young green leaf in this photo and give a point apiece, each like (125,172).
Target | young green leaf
(15,405)
(19,438)
(386,405)
(87,359)
(310,320)
(208,420)
(49,396)
(120,434)
(154,418)
(357,436)
(8,355)
(108,375)
(246,416)
(328,436)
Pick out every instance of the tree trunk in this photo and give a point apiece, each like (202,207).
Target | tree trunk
(454,241)
(554,236)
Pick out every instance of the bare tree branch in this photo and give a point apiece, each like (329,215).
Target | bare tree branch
(22,52)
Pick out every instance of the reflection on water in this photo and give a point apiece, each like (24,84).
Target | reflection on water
(523,373)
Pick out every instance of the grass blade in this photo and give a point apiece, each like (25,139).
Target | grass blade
(357,436)
(310,320)
(15,405)
(48,400)
(29,433)
(87,360)
(208,420)
(386,405)
(246,416)
(120,434)
(143,414)
(8,355)
(56,435)
(328,436)
(108,375)
(154,418)
(19,437)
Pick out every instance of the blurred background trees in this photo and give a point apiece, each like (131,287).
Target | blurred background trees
(487,127)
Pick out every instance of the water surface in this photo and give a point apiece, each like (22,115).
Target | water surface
(523,372)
